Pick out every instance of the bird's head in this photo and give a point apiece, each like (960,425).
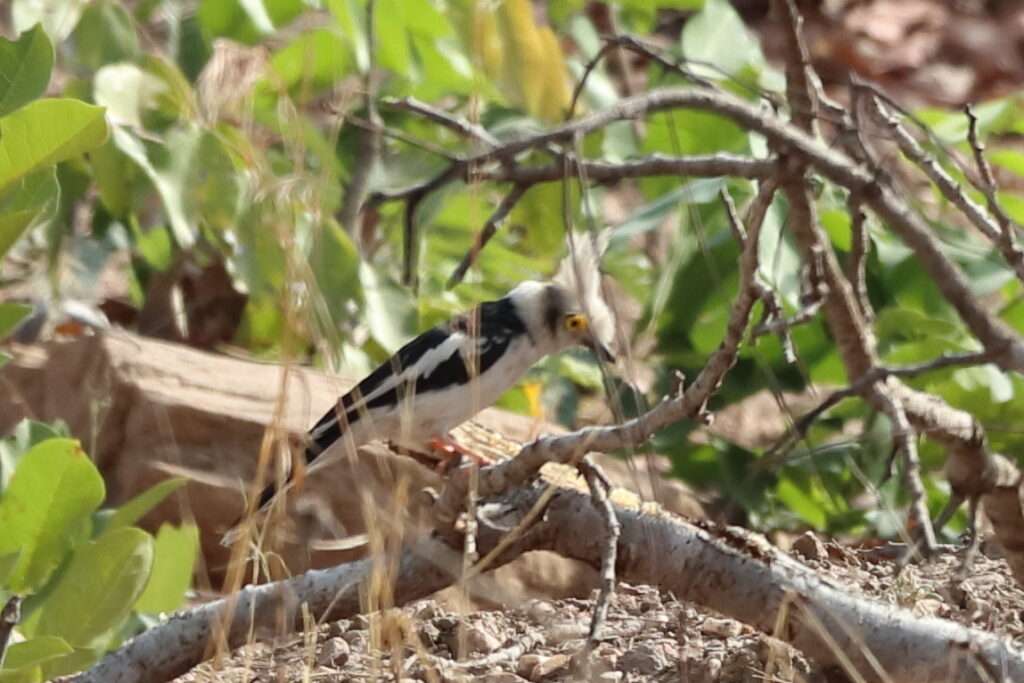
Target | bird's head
(570,310)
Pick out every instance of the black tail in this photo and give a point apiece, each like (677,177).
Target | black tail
(321,437)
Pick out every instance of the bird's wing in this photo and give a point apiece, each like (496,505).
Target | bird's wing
(440,358)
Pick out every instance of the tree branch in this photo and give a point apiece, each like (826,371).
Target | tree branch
(728,570)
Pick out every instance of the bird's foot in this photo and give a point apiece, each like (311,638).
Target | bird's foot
(450,454)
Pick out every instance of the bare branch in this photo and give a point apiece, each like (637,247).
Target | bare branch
(878,374)
(431,113)
(499,477)
(600,488)
(486,233)
(951,281)
(905,442)
(988,183)
(949,187)
(857,266)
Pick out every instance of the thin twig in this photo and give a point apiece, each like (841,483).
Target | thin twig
(865,381)
(857,265)
(781,325)
(905,441)
(949,188)
(700,166)
(486,233)
(600,488)
(988,182)
(431,113)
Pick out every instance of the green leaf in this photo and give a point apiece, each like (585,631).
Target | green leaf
(653,214)
(246,21)
(10,315)
(168,167)
(137,507)
(46,132)
(58,17)
(801,503)
(35,651)
(25,67)
(335,264)
(391,28)
(95,594)
(105,34)
(53,488)
(126,91)
(30,202)
(717,35)
(390,311)
(316,58)
(174,558)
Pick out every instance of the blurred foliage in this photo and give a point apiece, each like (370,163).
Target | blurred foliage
(227,149)
(89,578)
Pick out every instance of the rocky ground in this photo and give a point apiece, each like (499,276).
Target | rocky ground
(649,636)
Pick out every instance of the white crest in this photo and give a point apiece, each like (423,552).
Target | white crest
(580,274)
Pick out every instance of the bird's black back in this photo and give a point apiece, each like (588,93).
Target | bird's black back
(494,323)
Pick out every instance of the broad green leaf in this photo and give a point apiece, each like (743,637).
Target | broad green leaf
(79,659)
(801,503)
(97,590)
(174,558)
(53,488)
(105,34)
(391,26)
(717,35)
(950,126)
(335,264)
(29,202)
(10,315)
(651,215)
(214,186)
(137,507)
(25,66)
(316,58)
(168,168)
(7,564)
(35,651)
(26,434)
(390,312)
(246,21)
(58,17)
(126,91)
(114,174)
(351,20)
(1010,159)
(838,226)
(46,132)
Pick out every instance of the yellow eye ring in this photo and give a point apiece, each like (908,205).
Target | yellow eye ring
(576,322)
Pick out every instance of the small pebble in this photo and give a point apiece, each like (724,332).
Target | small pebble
(810,546)
(527,663)
(335,653)
(548,666)
(642,659)
(721,628)
(481,641)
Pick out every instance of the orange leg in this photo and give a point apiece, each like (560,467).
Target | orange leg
(451,453)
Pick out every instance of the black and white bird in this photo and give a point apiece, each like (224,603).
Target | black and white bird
(451,372)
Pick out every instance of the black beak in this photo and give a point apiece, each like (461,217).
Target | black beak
(600,350)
